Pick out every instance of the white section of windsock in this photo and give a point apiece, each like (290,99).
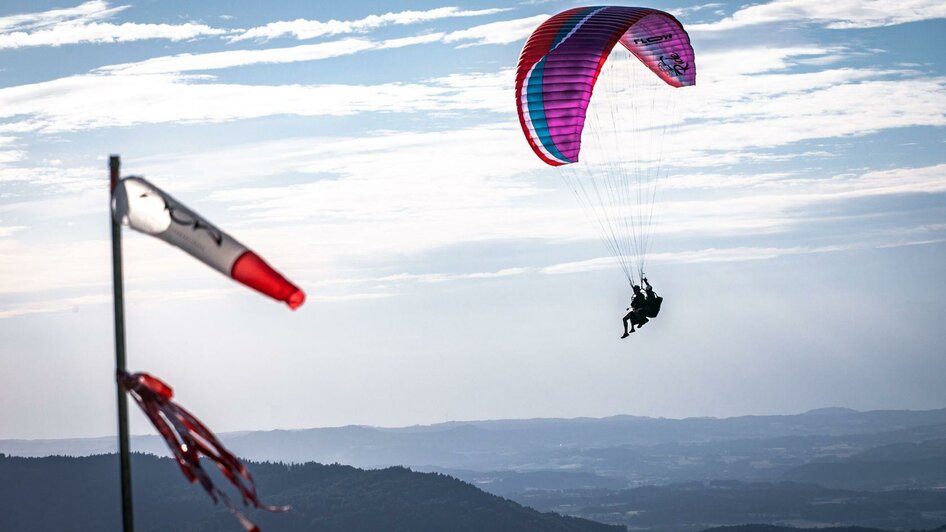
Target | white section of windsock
(146,208)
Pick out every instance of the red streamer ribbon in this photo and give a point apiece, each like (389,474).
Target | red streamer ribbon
(188,439)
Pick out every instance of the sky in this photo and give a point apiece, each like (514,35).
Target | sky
(371,152)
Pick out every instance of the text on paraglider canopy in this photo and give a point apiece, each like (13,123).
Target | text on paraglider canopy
(676,65)
(653,39)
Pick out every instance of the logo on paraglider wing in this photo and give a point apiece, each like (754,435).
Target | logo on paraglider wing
(653,39)
(673,64)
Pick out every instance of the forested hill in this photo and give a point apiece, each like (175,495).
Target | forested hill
(81,495)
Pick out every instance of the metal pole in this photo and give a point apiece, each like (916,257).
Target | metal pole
(128,521)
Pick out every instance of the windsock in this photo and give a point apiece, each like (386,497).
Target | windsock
(189,440)
(146,208)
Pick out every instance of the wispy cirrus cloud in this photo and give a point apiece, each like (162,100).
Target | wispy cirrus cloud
(501,32)
(743,91)
(841,14)
(51,306)
(309,29)
(82,24)
(51,174)
(106,33)
(382,185)
(85,24)
(34,268)
(734,254)
(757,98)
(750,101)
(9,230)
(834,111)
(448,277)
(237,58)
(90,11)
(75,303)
(127,100)
(684,11)
(329,290)
(10,156)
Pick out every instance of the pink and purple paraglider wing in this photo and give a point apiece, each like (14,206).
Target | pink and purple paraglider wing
(561,60)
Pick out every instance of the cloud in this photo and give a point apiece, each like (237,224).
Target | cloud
(448,277)
(106,33)
(681,12)
(80,25)
(734,254)
(361,296)
(806,108)
(701,181)
(236,58)
(98,101)
(10,156)
(383,287)
(386,200)
(747,100)
(55,176)
(839,14)
(388,184)
(87,12)
(751,99)
(52,305)
(77,303)
(157,297)
(384,195)
(310,29)
(405,193)
(29,268)
(926,179)
(502,32)
(9,230)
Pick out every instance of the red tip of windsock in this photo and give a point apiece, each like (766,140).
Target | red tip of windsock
(252,271)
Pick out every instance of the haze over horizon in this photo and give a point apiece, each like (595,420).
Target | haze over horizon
(147,433)
(373,155)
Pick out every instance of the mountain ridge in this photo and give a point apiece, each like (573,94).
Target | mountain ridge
(614,430)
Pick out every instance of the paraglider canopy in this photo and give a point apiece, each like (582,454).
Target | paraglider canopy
(559,65)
